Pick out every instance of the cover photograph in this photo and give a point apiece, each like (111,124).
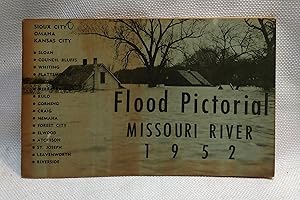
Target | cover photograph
(139,97)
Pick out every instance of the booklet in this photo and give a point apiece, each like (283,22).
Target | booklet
(120,97)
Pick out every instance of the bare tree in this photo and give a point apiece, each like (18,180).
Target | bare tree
(152,41)
(267,27)
(231,41)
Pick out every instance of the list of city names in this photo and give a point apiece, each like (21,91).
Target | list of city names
(48,125)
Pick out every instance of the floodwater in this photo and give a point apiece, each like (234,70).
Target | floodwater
(97,136)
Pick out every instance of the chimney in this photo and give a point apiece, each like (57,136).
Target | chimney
(95,61)
(84,62)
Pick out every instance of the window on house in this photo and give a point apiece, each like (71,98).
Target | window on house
(102,77)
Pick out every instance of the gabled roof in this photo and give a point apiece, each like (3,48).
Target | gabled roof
(193,77)
(189,77)
(198,76)
(116,79)
(76,75)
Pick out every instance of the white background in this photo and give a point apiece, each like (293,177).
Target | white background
(285,184)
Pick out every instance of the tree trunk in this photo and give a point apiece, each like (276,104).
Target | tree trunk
(151,76)
(269,72)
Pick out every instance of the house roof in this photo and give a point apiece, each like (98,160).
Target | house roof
(200,78)
(76,75)
(116,79)
(189,77)
(193,77)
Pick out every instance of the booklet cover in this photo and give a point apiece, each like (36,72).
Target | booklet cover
(118,97)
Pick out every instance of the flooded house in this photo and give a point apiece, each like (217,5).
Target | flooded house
(86,77)
(185,78)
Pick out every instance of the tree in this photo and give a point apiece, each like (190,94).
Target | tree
(267,27)
(230,42)
(231,54)
(152,41)
(233,41)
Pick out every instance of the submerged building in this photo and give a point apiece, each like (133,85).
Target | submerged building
(185,78)
(86,77)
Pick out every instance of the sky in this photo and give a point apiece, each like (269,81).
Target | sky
(89,46)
